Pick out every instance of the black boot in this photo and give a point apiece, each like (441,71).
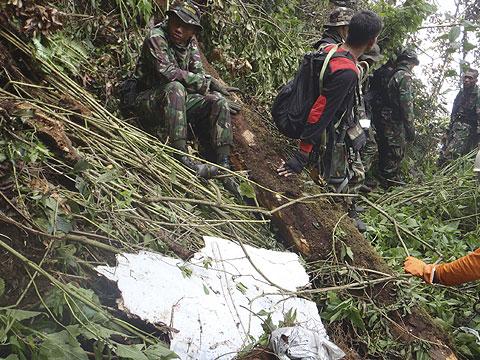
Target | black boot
(205,171)
(224,161)
(229,182)
(352,213)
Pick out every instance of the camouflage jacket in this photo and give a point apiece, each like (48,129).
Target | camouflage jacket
(466,108)
(330,36)
(401,99)
(162,61)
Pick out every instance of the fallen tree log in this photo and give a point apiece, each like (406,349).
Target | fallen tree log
(309,228)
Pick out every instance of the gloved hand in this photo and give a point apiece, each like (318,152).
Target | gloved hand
(216,85)
(235,106)
(418,268)
(293,166)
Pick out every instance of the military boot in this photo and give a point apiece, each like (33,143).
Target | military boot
(205,171)
(352,213)
(229,182)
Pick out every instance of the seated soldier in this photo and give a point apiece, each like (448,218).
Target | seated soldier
(173,89)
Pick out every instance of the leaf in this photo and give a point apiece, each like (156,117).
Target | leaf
(411,222)
(107,176)
(454,33)
(131,351)
(205,290)
(160,351)
(356,318)
(63,225)
(242,288)
(81,165)
(247,190)
(469,46)
(2,287)
(61,346)
(20,315)
(24,113)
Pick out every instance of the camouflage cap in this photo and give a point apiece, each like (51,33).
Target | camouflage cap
(408,55)
(189,13)
(373,54)
(340,16)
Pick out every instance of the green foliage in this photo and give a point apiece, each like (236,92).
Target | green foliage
(336,309)
(399,22)
(443,212)
(78,326)
(2,287)
(257,46)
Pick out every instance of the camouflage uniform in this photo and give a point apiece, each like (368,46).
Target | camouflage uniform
(462,134)
(339,17)
(396,123)
(173,86)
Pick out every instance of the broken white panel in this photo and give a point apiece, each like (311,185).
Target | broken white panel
(212,300)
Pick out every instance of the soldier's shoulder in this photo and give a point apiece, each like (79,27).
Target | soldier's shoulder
(157,31)
(402,74)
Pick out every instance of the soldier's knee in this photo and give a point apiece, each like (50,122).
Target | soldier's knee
(176,88)
(216,98)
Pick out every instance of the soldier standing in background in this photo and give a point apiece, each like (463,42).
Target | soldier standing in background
(395,125)
(172,88)
(336,29)
(462,134)
(370,149)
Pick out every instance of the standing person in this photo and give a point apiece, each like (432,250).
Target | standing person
(336,30)
(338,93)
(370,149)
(173,89)
(462,134)
(396,127)
(457,272)
(334,107)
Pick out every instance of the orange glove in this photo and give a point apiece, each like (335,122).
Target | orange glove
(418,268)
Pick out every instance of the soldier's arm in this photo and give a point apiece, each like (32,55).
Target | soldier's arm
(460,271)
(404,81)
(323,112)
(196,82)
(477,112)
(454,112)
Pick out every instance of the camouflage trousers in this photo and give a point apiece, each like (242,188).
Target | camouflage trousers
(391,145)
(370,149)
(340,162)
(166,109)
(461,140)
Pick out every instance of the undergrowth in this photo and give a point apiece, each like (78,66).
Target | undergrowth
(128,193)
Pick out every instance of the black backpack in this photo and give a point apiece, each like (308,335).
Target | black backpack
(293,103)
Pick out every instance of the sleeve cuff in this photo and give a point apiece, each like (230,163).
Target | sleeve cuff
(432,276)
(304,146)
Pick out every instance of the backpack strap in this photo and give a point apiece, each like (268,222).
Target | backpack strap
(324,67)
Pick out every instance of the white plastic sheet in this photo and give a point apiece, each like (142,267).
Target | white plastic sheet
(214,307)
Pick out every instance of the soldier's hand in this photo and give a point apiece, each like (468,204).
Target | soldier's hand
(293,166)
(235,106)
(216,85)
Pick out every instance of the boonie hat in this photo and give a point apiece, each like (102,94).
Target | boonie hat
(188,13)
(340,16)
(408,54)
(373,54)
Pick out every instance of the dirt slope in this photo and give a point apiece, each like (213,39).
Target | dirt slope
(308,228)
